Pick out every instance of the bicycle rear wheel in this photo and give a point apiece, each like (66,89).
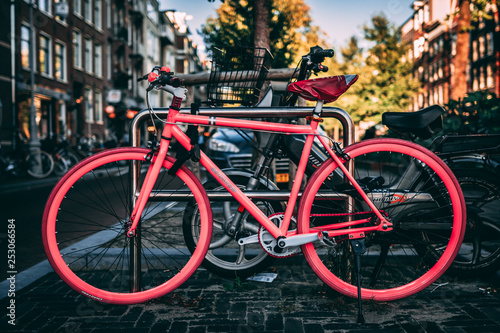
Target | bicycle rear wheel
(86,220)
(420,197)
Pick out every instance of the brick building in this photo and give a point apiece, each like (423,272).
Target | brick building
(86,59)
(431,31)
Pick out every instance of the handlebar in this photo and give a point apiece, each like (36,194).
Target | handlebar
(160,76)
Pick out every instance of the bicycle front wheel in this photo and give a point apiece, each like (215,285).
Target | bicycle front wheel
(39,165)
(87,217)
(418,194)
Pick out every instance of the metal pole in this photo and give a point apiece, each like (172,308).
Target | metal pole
(273,112)
(34,143)
(13,69)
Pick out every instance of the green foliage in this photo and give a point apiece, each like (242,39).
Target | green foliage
(385,82)
(478,112)
(291,29)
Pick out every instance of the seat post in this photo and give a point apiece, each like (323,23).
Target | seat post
(318,109)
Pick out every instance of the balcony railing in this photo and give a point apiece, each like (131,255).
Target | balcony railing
(167,32)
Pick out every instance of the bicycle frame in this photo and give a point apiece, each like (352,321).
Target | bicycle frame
(171,130)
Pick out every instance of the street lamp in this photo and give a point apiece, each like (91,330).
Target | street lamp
(33,143)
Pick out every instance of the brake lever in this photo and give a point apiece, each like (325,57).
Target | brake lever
(145,77)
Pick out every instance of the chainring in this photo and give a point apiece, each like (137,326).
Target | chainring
(269,244)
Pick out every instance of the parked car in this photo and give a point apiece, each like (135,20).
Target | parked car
(228,149)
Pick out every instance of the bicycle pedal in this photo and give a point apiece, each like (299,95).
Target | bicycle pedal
(327,240)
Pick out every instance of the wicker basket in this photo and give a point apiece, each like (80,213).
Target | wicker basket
(237,75)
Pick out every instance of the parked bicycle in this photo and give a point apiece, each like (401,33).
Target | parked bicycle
(114,233)
(469,157)
(21,163)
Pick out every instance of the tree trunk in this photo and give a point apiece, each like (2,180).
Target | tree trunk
(459,78)
(261,24)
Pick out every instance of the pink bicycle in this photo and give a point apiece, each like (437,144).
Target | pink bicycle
(112,227)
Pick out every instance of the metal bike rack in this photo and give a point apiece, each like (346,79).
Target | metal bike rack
(232,112)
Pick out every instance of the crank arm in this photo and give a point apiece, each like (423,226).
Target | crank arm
(249,240)
(298,240)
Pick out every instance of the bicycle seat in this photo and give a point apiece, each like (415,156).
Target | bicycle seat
(327,89)
(423,124)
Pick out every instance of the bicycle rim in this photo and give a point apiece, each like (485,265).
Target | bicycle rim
(86,221)
(420,197)
(42,168)
(226,257)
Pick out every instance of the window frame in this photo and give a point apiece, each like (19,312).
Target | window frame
(88,65)
(77,56)
(77,7)
(62,58)
(98,108)
(98,14)
(28,42)
(89,105)
(48,51)
(98,60)
(88,13)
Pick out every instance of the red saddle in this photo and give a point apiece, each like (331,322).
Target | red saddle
(327,89)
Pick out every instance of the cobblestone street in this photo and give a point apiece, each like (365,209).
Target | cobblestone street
(295,302)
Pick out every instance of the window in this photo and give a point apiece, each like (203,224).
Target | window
(490,81)
(108,14)
(482,48)
(45,6)
(474,50)
(77,49)
(152,12)
(62,19)
(98,60)
(88,55)
(108,62)
(44,55)
(152,44)
(87,10)
(77,7)
(490,44)
(475,83)
(482,81)
(454,44)
(89,106)
(60,65)
(98,107)
(98,14)
(25,46)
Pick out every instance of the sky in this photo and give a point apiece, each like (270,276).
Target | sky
(340,19)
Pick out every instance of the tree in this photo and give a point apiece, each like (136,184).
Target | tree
(290,27)
(385,82)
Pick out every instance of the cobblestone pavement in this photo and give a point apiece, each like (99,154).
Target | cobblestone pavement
(295,302)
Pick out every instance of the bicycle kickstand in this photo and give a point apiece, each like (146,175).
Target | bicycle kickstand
(358,247)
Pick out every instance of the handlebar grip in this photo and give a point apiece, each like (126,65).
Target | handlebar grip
(327,53)
(169,80)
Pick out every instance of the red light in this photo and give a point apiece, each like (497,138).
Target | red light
(110,109)
(112,115)
(131,114)
(78,101)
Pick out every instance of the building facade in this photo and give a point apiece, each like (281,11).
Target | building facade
(87,56)
(432,31)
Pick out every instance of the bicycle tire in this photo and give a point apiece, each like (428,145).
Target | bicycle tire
(46,167)
(229,259)
(61,166)
(86,220)
(480,250)
(418,204)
